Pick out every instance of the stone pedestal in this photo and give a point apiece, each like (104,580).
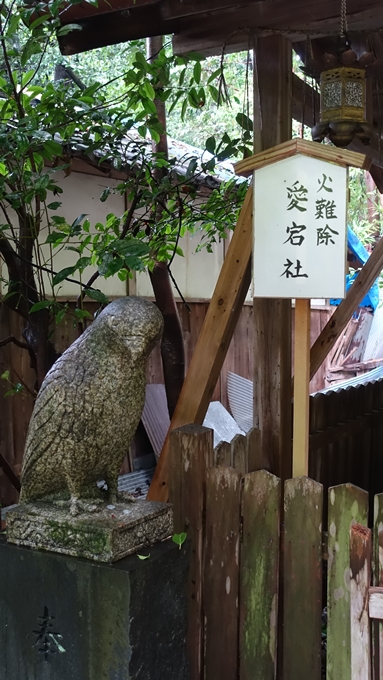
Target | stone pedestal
(108,535)
(64,618)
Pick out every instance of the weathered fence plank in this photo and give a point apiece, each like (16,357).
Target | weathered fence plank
(360,575)
(302,579)
(255,458)
(377,579)
(221,574)
(190,455)
(239,453)
(347,504)
(259,567)
(222,454)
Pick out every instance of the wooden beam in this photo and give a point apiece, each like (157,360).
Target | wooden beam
(207,33)
(213,341)
(272,317)
(342,315)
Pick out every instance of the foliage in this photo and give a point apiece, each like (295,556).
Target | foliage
(40,122)
(179,539)
(367,230)
(13,388)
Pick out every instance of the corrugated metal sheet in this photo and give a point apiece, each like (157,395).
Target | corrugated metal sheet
(155,416)
(224,426)
(240,393)
(371,376)
(240,396)
(155,419)
(136,483)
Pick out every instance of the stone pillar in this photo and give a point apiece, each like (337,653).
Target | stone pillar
(63,618)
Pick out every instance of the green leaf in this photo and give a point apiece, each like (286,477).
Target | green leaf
(3,169)
(64,30)
(141,61)
(55,237)
(214,75)
(191,168)
(82,314)
(43,304)
(210,145)
(77,222)
(184,109)
(197,72)
(149,89)
(54,206)
(97,295)
(62,275)
(179,539)
(37,22)
(244,121)
(60,315)
(52,148)
(195,56)
(27,77)
(143,557)
(5,375)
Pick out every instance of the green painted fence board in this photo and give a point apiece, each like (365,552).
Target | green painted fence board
(360,580)
(377,580)
(302,579)
(347,504)
(259,566)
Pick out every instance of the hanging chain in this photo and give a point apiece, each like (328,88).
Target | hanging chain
(343,18)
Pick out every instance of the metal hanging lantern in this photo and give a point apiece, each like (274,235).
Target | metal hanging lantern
(342,106)
(343,94)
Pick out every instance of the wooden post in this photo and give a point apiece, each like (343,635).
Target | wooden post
(301,388)
(302,579)
(259,567)
(191,454)
(272,317)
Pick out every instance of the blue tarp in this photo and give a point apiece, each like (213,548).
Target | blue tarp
(358,249)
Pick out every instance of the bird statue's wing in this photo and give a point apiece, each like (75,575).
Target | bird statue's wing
(49,418)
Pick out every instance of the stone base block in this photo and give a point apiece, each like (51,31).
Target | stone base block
(64,618)
(107,535)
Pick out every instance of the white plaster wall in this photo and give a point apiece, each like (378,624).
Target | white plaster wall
(195,273)
(81,194)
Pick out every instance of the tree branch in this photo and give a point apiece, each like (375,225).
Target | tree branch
(19,343)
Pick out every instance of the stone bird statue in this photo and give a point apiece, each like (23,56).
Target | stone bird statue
(89,406)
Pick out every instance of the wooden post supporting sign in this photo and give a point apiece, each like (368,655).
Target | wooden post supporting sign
(299,246)
(301,388)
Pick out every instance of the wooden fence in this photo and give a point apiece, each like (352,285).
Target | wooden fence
(15,412)
(264,571)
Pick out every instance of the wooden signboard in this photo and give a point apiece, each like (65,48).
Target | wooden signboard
(299,245)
